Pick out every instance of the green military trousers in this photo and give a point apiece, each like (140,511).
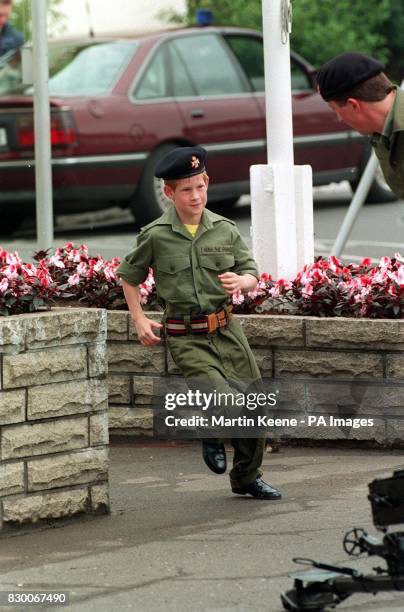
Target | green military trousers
(219,357)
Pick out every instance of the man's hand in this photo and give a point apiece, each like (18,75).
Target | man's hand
(144,329)
(232,282)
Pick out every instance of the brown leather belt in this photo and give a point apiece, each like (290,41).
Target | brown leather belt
(202,324)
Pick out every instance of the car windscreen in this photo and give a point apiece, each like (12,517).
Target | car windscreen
(74,69)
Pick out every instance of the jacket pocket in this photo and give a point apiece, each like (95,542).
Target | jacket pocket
(218,261)
(173,278)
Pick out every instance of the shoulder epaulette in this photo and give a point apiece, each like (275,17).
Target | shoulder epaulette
(215,217)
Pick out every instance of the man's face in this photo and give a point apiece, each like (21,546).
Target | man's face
(189,196)
(5,12)
(354,113)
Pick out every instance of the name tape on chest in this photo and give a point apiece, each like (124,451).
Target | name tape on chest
(224,248)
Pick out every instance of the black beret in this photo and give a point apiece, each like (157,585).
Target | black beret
(181,163)
(339,75)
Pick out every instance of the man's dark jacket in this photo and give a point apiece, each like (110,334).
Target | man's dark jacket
(10,38)
(389,146)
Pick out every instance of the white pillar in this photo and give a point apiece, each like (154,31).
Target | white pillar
(43,172)
(281,195)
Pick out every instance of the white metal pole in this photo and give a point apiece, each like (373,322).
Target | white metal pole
(361,192)
(278,87)
(43,171)
(282,229)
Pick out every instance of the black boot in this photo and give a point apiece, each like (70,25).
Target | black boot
(214,455)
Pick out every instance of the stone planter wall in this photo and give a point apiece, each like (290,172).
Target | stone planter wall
(345,368)
(53,415)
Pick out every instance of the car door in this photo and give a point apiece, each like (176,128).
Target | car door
(319,138)
(218,108)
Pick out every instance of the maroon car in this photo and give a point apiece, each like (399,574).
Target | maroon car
(118,105)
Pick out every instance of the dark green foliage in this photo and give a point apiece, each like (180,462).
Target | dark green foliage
(322,28)
(22,17)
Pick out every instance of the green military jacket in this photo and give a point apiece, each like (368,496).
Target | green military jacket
(186,268)
(389,146)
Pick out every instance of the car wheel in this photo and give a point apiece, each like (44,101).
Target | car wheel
(379,192)
(149,201)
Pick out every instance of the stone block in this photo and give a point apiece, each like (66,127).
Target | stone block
(328,364)
(267,330)
(264,359)
(395,367)
(145,388)
(40,438)
(290,396)
(11,478)
(343,332)
(33,508)
(12,334)
(133,357)
(119,389)
(66,470)
(66,398)
(12,406)
(99,428)
(100,498)
(139,420)
(97,360)
(118,322)
(395,431)
(66,326)
(356,398)
(44,366)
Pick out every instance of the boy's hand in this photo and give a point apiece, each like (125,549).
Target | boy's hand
(144,329)
(232,282)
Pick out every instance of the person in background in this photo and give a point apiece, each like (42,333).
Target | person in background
(10,38)
(357,90)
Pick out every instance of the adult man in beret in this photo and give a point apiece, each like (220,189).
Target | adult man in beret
(357,90)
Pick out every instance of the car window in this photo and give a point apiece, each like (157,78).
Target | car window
(300,79)
(183,85)
(249,52)
(211,66)
(92,70)
(153,84)
(74,69)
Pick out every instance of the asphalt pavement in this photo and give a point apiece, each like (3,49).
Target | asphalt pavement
(178,540)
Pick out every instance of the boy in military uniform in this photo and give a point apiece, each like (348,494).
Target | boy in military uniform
(199,259)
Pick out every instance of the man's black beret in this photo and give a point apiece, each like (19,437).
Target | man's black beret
(181,163)
(339,75)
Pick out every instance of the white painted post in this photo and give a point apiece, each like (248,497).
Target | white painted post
(281,194)
(355,206)
(43,171)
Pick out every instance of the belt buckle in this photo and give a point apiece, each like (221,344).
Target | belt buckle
(212,322)
(221,318)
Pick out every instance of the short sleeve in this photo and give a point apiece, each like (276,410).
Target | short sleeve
(134,268)
(245,263)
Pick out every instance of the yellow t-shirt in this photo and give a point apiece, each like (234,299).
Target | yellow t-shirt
(192,228)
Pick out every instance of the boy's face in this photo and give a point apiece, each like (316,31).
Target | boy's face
(189,196)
